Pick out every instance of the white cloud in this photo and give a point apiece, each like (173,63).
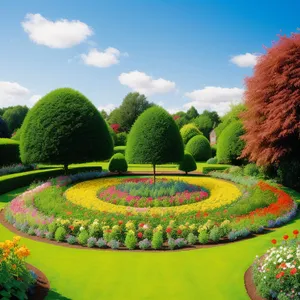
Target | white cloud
(108,107)
(145,84)
(214,98)
(34,99)
(12,93)
(55,34)
(104,59)
(245,60)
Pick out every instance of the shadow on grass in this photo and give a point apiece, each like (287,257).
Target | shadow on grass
(52,295)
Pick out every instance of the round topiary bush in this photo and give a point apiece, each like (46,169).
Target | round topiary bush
(154,139)
(64,127)
(118,163)
(199,147)
(188,163)
(212,161)
(9,152)
(188,131)
(230,145)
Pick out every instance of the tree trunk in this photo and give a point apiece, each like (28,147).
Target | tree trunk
(66,169)
(186,173)
(154,173)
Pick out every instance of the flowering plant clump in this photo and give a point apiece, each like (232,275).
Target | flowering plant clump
(277,274)
(15,279)
(54,210)
(142,192)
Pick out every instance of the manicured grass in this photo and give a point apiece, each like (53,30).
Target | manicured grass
(211,273)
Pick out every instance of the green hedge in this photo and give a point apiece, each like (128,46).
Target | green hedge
(9,152)
(15,181)
(206,170)
(120,149)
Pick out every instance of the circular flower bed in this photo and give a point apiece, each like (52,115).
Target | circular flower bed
(276,275)
(67,212)
(143,192)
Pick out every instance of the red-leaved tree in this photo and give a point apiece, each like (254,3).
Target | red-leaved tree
(272,98)
(115,127)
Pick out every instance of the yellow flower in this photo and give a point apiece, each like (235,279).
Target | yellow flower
(8,244)
(22,252)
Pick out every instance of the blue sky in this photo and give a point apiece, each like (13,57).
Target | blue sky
(179,53)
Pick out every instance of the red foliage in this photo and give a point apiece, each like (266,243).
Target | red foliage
(176,117)
(115,127)
(272,98)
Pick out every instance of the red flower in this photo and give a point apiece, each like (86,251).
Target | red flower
(279,275)
(168,230)
(179,231)
(285,237)
(71,227)
(141,225)
(140,235)
(274,241)
(69,213)
(120,222)
(296,232)
(293,271)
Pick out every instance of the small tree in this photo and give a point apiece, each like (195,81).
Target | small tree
(192,113)
(14,117)
(64,127)
(154,139)
(188,131)
(118,163)
(199,147)
(188,164)
(204,124)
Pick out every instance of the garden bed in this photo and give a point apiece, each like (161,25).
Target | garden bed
(250,285)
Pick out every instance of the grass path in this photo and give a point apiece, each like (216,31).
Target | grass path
(212,273)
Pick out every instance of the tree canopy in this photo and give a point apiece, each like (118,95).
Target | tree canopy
(64,127)
(14,117)
(204,124)
(4,132)
(192,113)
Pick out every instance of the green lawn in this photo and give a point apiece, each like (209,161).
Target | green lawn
(213,273)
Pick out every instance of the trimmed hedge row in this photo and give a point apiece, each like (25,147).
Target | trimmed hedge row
(206,170)
(15,181)
(9,152)
(120,149)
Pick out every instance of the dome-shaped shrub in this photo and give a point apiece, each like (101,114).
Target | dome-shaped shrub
(188,131)
(64,127)
(118,163)
(230,146)
(188,163)
(199,147)
(4,132)
(154,139)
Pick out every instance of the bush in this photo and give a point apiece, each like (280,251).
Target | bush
(289,173)
(121,139)
(214,150)
(71,239)
(251,170)
(9,152)
(154,139)
(203,237)
(14,117)
(83,237)
(157,240)
(114,244)
(130,240)
(120,149)
(144,244)
(118,163)
(215,234)
(112,134)
(204,124)
(212,161)
(192,239)
(91,242)
(230,145)
(206,170)
(4,132)
(188,131)
(64,127)
(188,164)
(199,147)
(16,135)
(60,234)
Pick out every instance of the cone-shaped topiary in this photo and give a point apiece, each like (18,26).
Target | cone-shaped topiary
(188,163)
(64,127)
(118,163)
(154,139)
(188,131)
(199,147)
(230,145)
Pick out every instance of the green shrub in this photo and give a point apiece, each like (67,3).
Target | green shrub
(289,173)
(120,149)
(206,170)
(112,134)
(14,117)
(230,145)
(235,170)
(188,164)
(4,132)
(192,239)
(130,240)
(199,147)
(60,234)
(83,237)
(16,136)
(52,227)
(215,234)
(251,170)
(9,152)
(214,150)
(188,131)
(121,139)
(64,127)
(212,161)
(118,163)
(157,240)
(154,139)
(203,237)
(204,124)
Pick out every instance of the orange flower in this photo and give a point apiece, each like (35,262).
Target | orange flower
(296,232)
(285,237)
(293,271)
(274,241)
(279,275)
